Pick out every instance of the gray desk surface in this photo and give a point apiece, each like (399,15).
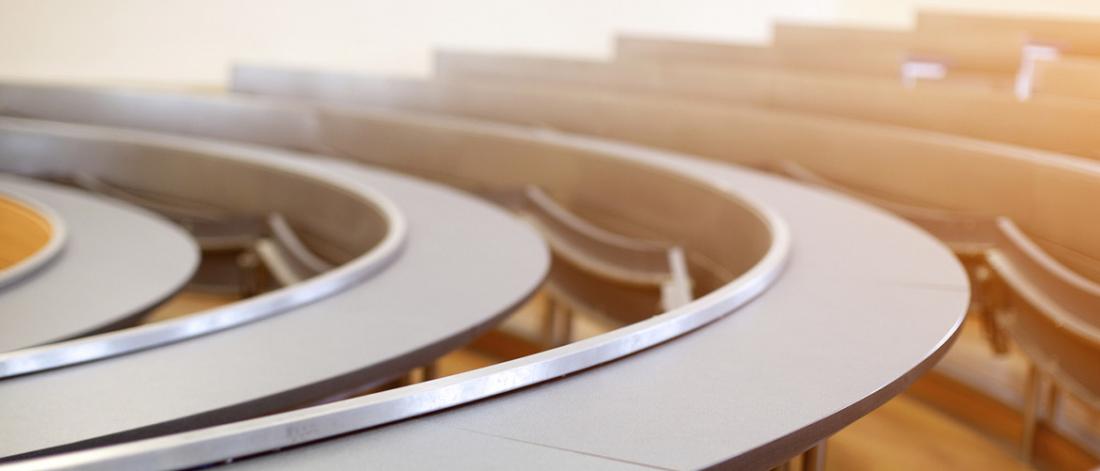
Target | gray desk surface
(117,261)
(465,264)
(866,303)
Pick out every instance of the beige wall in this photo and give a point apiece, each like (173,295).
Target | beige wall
(193,41)
(900,12)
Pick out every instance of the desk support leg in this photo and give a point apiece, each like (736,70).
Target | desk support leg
(1033,400)
(814,458)
(561,325)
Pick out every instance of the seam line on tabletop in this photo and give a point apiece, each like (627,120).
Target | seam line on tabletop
(567,450)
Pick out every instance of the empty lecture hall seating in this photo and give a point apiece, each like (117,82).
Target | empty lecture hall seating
(964,58)
(694,254)
(1067,76)
(949,156)
(1049,311)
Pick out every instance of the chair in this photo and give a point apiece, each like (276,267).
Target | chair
(213,228)
(285,256)
(243,239)
(604,268)
(1053,315)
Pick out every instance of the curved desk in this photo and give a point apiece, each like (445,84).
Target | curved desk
(866,304)
(100,279)
(420,306)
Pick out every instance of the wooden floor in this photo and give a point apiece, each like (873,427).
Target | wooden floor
(188,302)
(1068,440)
(906,434)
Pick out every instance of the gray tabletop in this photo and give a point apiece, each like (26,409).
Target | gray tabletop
(866,303)
(117,262)
(420,306)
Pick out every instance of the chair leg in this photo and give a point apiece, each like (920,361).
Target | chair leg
(814,458)
(250,276)
(562,325)
(547,327)
(557,323)
(984,305)
(429,372)
(1032,403)
(1053,401)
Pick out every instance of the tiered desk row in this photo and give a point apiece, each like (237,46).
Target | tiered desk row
(756,196)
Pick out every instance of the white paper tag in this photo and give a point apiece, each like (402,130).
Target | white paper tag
(1029,55)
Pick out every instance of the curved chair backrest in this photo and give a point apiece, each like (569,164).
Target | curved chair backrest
(1053,314)
(976,60)
(603,252)
(1070,77)
(288,239)
(213,229)
(990,57)
(173,208)
(1072,36)
(142,179)
(788,51)
(626,197)
(962,231)
(610,255)
(957,108)
(285,256)
(610,301)
(820,47)
(923,168)
(282,267)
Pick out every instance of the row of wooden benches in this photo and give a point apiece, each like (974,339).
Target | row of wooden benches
(249,243)
(1006,180)
(1047,57)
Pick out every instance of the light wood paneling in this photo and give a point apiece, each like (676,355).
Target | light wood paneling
(23,232)
(1043,122)
(882,51)
(1070,35)
(1072,77)
(1041,191)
